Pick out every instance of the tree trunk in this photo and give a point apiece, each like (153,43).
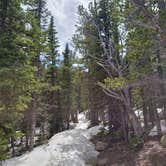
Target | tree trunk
(132,116)
(92,99)
(160,74)
(27,138)
(32,125)
(157,119)
(124,124)
(12,146)
(145,111)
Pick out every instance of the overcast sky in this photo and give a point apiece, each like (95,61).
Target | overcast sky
(65,14)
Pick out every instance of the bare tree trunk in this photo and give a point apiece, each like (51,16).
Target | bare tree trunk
(12,146)
(32,125)
(92,98)
(124,124)
(27,138)
(151,113)
(145,111)
(76,117)
(27,127)
(132,116)
(145,114)
(157,119)
(42,132)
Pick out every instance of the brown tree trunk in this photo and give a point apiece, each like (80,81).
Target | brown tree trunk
(145,111)
(42,132)
(132,116)
(27,138)
(12,146)
(124,124)
(92,99)
(76,117)
(157,119)
(32,125)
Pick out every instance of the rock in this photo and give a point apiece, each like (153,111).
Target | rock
(102,162)
(100,146)
(163,141)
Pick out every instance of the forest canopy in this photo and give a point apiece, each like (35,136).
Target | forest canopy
(114,70)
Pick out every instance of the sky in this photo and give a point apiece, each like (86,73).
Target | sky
(65,14)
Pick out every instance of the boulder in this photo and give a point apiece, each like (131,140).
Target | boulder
(100,146)
(163,141)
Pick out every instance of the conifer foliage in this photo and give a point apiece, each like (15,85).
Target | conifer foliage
(114,70)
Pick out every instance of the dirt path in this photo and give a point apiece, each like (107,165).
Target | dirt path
(119,154)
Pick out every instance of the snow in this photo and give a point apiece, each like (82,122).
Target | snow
(67,148)
(153,132)
(83,122)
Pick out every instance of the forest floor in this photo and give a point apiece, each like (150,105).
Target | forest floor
(120,154)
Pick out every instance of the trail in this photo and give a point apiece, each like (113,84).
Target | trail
(67,148)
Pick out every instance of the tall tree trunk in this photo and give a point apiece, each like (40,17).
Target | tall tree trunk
(12,146)
(27,138)
(92,97)
(145,110)
(124,123)
(151,112)
(157,120)
(32,125)
(132,116)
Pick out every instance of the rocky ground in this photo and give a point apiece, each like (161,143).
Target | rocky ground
(120,154)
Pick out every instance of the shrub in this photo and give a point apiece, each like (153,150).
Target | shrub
(3,146)
(136,143)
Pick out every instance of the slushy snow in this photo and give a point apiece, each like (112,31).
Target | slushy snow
(153,132)
(67,148)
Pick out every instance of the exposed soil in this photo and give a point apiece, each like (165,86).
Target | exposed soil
(119,154)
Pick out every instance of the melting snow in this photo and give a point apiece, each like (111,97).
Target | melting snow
(153,132)
(67,148)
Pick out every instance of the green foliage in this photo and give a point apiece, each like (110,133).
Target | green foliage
(79,89)
(140,54)
(136,143)
(3,145)
(19,134)
(116,83)
(17,49)
(66,74)
(117,135)
(30,70)
(102,133)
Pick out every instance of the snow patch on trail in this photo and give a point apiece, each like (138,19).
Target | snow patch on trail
(67,148)
(153,132)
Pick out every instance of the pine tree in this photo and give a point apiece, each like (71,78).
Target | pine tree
(101,41)
(53,80)
(16,71)
(66,85)
(39,11)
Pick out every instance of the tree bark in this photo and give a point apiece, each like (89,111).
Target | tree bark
(124,124)
(145,111)
(157,119)
(32,125)
(132,116)
(12,146)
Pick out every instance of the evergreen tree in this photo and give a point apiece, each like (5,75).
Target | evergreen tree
(39,12)
(66,85)
(52,78)
(16,71)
